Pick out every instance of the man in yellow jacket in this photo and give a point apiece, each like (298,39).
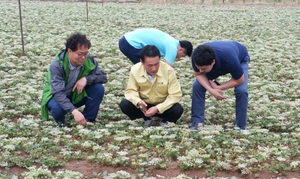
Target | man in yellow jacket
(152,90)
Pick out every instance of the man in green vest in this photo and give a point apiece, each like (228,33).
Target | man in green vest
(73,79)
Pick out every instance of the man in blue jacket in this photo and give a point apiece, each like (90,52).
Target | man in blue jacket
(74,79)
(212,60)
(132,43)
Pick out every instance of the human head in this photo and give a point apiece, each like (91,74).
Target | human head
(78,47)
(204,58)
(150,58)
(185,48)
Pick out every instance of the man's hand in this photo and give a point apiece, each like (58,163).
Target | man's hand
(79,118)
(142,105)
(214,84)
(79,85)
(147,112)
(217,94)
(151,111)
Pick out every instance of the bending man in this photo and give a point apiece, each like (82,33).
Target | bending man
(170,48)
(212,60)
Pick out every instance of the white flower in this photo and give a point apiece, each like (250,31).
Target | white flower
(3,164)
(79,126)
(236,142)
(242,165)
(123,174)
(198,161)
(281,159)
(9,147)
(123,138)
(224,165)
(253,160)
(86,144)
(84,131)
(122,153)
(155,161)
(294,164)
(44,139)
(155,137)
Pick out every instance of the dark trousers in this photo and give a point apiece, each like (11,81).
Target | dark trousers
(95,94)
(129,51)
(171,115)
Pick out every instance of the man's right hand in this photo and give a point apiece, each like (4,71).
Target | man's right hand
(142,105)
(79,117)
(217,94)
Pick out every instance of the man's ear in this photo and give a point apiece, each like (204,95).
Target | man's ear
(180,48)
(141,61)
(214,61)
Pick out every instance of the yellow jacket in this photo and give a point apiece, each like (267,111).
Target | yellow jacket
(164,92)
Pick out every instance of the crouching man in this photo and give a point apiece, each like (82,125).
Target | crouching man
(152,90)
(74,79)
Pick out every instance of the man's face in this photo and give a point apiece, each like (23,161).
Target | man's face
(78,57)
(151,65)
(206,68)
(180,52)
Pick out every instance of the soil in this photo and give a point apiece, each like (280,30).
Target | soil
(88,169)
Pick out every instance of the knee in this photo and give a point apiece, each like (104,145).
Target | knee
(241,91)
(124,105)
(97,91)
(57,112)
(178,109)
(100,88)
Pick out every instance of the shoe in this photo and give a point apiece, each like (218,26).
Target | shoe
(149,122)
(163,124)
(196,126)
(240,129)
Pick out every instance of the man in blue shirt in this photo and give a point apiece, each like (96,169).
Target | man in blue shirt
(170,48)
(214,59)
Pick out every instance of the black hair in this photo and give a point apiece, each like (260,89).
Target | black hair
(149,51)
(188,47)
(77,39)
(203,55)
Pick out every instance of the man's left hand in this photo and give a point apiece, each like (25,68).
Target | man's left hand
(79,85)
(151,111)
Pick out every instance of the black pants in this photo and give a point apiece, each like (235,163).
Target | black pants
(171,115)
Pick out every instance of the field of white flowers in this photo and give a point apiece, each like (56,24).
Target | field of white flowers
(115,147)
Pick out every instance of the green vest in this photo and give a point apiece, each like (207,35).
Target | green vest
(87,67)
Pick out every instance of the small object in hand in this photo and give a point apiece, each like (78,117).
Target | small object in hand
(142,107)
(214,80)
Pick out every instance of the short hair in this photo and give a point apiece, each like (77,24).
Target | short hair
(77,39)
(188,47)
(203,55)
(149,51)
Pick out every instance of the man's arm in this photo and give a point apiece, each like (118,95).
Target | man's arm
(174,93)
(58,87)
(97,75)
(202,79)
(59,94)
(229,84)
(132,90)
